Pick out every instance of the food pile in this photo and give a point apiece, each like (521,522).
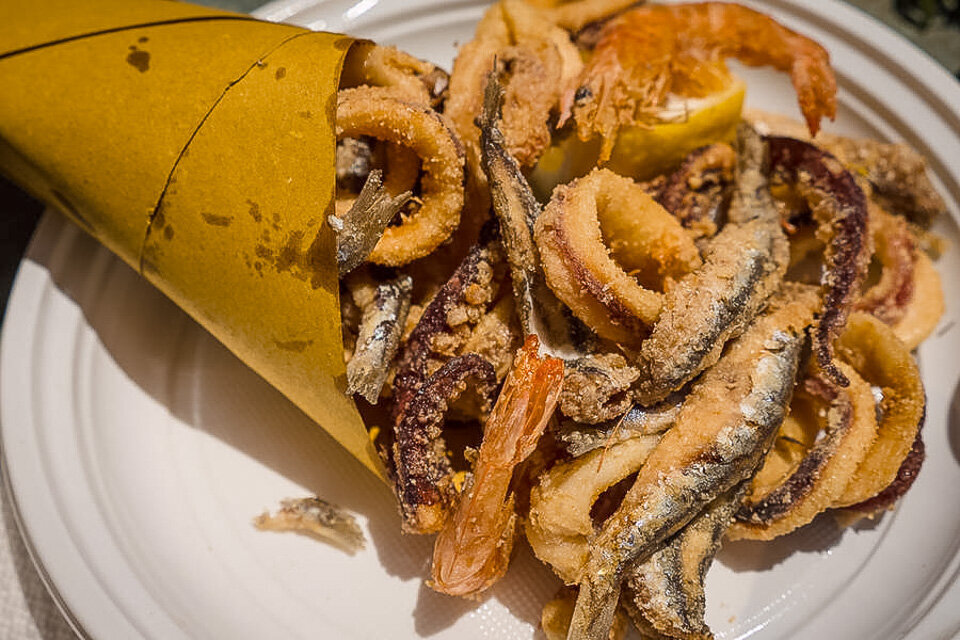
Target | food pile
(587,301)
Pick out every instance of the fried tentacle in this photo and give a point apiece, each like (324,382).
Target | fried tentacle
(385,306)
(840,209)
(361,227)
(473,550)
(666,590)
(695,192)
(424,486)
(722,432)
(366,111)
(894,246)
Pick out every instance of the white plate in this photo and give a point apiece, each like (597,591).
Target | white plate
(138,449)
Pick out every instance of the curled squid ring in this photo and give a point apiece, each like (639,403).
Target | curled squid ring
(368,111)
(609,251)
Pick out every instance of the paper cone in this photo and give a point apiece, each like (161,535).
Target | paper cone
(198,146)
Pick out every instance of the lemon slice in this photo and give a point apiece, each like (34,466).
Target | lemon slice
(641,153)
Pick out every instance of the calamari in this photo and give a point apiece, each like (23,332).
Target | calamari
(408,77)
(384,306)
(725,427)
(473,549)
(895,250)
(370,111)
(609,251)
(424,476)
(778,505)
(648,53)
(840,209)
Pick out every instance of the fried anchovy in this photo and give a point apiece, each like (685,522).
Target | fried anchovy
(840,208)
(385,311)
(361,227)
(638,421)
(724,429)
(316,516)
(665,592)
(541,313)
(743,266)
(423,471)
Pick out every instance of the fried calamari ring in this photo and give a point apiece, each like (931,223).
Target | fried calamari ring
(560,527)
(840,208)
(473,550)
(423,473)
(782,500)
(366,111)
(880,358)
(410,78)
(615,290)
(924,310)
(895,250)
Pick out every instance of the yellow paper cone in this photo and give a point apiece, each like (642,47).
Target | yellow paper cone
(198,146)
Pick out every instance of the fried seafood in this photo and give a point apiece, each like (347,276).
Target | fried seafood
(409,78)
(560,527)
(840,210)
(366,111)
(897,173)
(724,428)
(665,594)
(425,487)
(695,193)
(361,227)
(317,517)
(782,500)
(649,53)
(638,421)
(577,14)
(743,266)
(887,498)
(556,614)
(473,549)
(384,306)
(609,251)
(895,250)
(878,356)
(925,308)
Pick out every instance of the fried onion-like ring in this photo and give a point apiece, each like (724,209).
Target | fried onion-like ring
(924,310)
(615,290)
(778,505)
(880,358)
(894,248)
(423,473)
(410,78)
(473,550)
(368,111)
(560,527)
(884,500)
(840,208)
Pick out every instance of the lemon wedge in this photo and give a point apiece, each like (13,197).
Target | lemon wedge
(642,152)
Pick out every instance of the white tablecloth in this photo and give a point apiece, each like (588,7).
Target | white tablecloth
(27,612)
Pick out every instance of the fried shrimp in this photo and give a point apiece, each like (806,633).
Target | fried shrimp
(615,287)
(473,550)
(367,111)
(651,52)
